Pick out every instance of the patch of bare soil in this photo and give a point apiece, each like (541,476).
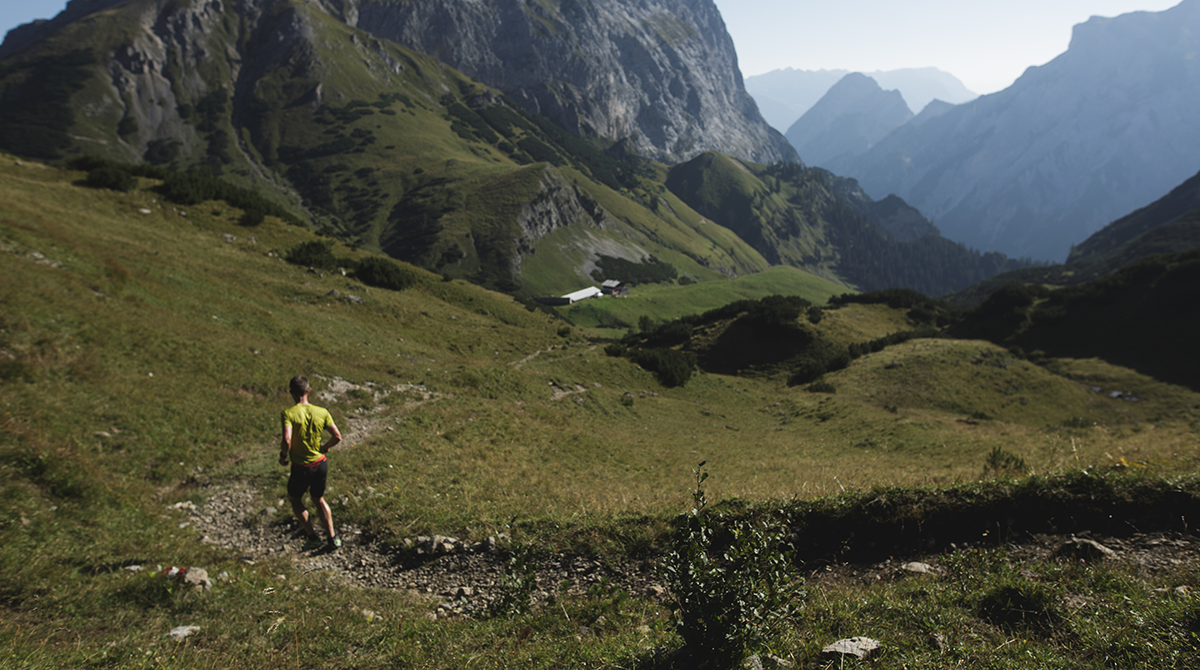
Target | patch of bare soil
(459,578)
(462,579)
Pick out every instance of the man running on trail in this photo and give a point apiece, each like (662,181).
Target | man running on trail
(304,426)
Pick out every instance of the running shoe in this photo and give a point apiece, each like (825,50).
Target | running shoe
(334,543)
(311,543)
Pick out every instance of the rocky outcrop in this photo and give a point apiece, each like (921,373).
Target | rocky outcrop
(557,204)
(661,74)
(854,115)
(1100,131)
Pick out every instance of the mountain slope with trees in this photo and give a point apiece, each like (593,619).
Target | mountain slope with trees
(811,219)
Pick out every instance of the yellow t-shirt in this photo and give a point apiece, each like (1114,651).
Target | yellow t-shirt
(308,424)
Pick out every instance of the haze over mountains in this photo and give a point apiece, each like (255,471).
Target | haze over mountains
(1100,131)
(783,96)
(848,120)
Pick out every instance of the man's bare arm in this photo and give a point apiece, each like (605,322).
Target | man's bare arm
(334,440)
(285,444)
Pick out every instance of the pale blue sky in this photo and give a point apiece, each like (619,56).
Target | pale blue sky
(985,44)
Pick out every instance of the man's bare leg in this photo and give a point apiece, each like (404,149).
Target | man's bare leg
(301,513)
(326,516)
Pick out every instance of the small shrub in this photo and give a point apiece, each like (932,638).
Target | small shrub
(251,218)
(616,350)
(730,580)
(564,331)
(382,273)
(1001,462)
(516,584)
(672,367)
(821,386)
(315,254)
(111,177)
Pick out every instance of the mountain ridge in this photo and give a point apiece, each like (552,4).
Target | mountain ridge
(1021,171)
(849,119)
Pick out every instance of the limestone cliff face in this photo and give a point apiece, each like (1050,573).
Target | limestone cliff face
(660,74)
(1100,131)
(557,204)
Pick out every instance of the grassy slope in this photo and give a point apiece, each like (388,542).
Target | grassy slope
(145,354)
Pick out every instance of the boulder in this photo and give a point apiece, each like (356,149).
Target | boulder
(858,647)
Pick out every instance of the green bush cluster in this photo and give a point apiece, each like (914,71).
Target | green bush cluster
(112,178)
(819,357)
(671,366)
(187,189)
(316,254)
(731,580)
(1003,462)
(921,308)
(517,584)
(383,273)
(860,349)
(373,271)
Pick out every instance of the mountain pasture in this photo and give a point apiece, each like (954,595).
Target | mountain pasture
(145,347)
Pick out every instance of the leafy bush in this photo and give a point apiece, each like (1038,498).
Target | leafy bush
(820,357)
(315,254)
(821,386)
(251,218)
(111,177)
(516,584)
(731,582)
(777,311)
(668,334)
(382,273)
(1000,461)
(672,367)
(859,349)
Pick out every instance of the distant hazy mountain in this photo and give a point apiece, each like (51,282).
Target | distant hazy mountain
(1103,129)
(1173,220)
(1170,225)
(783,96)
(854,115)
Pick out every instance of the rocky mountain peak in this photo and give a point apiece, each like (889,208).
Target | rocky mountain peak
(661,74)
(854,115)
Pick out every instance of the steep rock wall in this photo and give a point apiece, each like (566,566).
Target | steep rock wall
(661,74)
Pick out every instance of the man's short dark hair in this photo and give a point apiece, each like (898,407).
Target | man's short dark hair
(299,386)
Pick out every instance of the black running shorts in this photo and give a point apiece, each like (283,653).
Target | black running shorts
(308,479)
